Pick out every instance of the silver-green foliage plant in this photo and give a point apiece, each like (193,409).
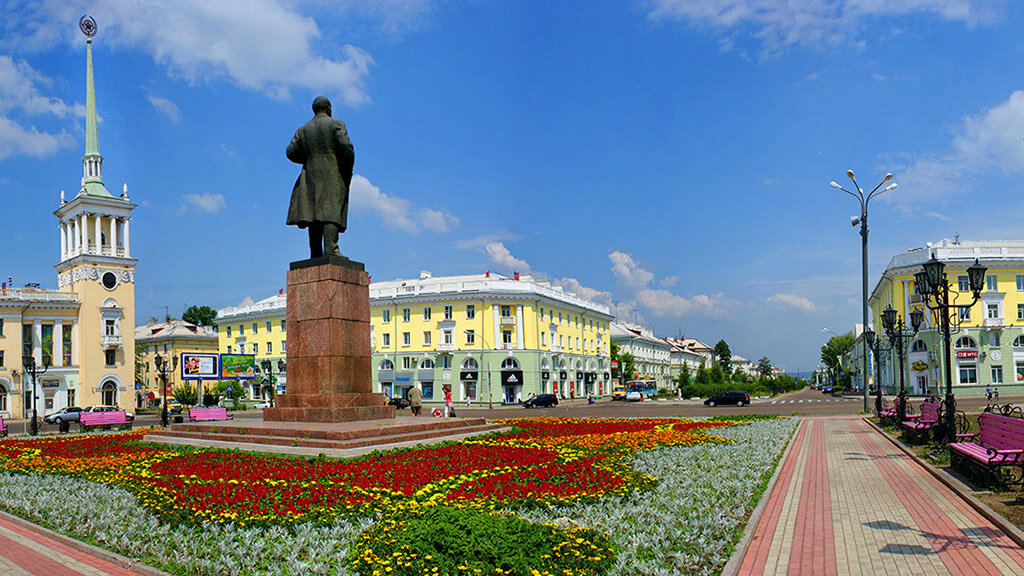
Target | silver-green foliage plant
(691,520)
(112,519)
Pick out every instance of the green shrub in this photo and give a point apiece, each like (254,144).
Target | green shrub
(449,540)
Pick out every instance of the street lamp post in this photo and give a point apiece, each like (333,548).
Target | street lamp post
(934,286)
(863,221)
(28,363)
(896,331)
(161,366)
(483,341)
(875,345)
(268,368)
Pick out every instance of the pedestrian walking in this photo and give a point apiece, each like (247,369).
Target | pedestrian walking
(415,400)
(449,410)
(995,394)
(988,393)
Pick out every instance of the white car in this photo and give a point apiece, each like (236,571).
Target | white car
(101,408)
(262,405)
(634,396)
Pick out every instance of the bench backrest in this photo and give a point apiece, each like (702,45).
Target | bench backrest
(1001,432)
(201,413)
(97,418)
(930,412)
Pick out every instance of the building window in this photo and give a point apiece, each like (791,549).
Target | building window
(268,326)
(965,313)
(282,325)
(109,327)
(229,349)
(447,312)
(542,339)
(995,339)
(1020,311)
(1020,283)
(241,329)
(446,362)
(969,374)
(387,340)
(428,390)
(991,283)
(1020,371)
(1,326)
(560,341)
(426,313)
(992,310)
(406,314)
(406,363)
(255,325)
(470,337)
(506,336)
(385,316)
(506,311)
(426,337)
(541,314)
(284,346)
(963,284)
(269,351)
(447,337)
(110,357)
(997,374)
(427,364)
(1,358)
(559,317)
(406,338)
(470,312)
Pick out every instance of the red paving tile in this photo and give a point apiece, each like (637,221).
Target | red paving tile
(39,555)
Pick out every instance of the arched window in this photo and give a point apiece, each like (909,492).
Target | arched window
(509,363)
(3,398)
(387,365)
(1018,342)
(579,365)
(469,364)
(544,363)
(427,364)
(918,346)
(561,364)
(109,393)
(965,342)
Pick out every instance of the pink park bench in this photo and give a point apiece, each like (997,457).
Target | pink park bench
(3,427)
(890,413)
(206,414)
(999,442)
(105,419)
(929,418)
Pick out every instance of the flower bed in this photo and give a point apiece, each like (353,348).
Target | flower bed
(546,464)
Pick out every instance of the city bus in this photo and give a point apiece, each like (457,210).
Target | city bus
(646,388)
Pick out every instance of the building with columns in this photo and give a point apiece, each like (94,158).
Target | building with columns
(83,332)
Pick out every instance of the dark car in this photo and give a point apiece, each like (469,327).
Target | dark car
(68,414)
(541,401)
(736,397)
(398,403)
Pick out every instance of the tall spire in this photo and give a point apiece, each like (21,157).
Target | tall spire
(92,162)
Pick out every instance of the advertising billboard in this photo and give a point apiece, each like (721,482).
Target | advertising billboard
(196,366)
(237,366)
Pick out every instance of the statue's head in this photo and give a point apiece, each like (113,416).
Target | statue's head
(321,104)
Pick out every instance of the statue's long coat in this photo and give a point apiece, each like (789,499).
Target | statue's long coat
(326,154)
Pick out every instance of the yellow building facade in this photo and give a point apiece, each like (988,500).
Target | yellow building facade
(988,350)
(488,337)
(168,340)
(81,333)
(259,329)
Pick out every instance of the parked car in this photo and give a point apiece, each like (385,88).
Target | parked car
(541,401)
(397,402)
(827,389)
(67,414)
(736,397)
(262,405)
(634,396)
(102,408)
(174,407)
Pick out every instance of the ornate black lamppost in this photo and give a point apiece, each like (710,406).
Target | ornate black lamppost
(29,366)
(896,331)
(875,345)
(934,286)
(268,369)
(161,365)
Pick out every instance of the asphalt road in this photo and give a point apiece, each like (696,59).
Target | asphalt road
(802,402)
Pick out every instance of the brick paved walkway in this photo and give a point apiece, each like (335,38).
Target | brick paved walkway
(849,502)
(25,552)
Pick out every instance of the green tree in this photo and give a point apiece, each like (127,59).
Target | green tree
(764,367)
(199,315)
(685,378)
(140,364)
(832,352)
(627,364)
(724,356)
(186,394)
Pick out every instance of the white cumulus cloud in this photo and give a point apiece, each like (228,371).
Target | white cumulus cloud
(397,212)
(792,301)
(165,107)
(500,256)
(663,303)
(628,272)
(21,104)
(574,286)
(208,202)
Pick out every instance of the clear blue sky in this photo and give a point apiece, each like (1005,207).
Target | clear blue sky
(670,158)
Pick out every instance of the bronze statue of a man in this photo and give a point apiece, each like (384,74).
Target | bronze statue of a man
(320,196)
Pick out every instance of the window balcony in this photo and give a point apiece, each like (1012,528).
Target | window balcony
(994,322)
(445,347)
(508,346)
(111,341)
(508,321)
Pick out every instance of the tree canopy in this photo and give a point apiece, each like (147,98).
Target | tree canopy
(724,356)
(199,315)
(764,367)
(832,351)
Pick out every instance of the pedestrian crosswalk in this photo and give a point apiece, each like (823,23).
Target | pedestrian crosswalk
(813,400)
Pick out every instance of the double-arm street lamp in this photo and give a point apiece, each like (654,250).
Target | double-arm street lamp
(934,286)
(162,366)
(875,345)
(28,363)
(863,221)
(896,330)
(268,369)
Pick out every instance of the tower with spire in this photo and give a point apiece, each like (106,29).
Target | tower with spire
(97,266)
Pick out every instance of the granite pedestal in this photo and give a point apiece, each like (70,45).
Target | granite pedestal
(328,322)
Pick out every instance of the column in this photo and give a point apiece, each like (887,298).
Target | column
(127,253)
(520,340)
(37,341)
(113,235)
(496,334)
(63,241)
(58,343)
(98,250)
(74,343)
(83,235)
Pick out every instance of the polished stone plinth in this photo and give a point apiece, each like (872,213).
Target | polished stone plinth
(328,322)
